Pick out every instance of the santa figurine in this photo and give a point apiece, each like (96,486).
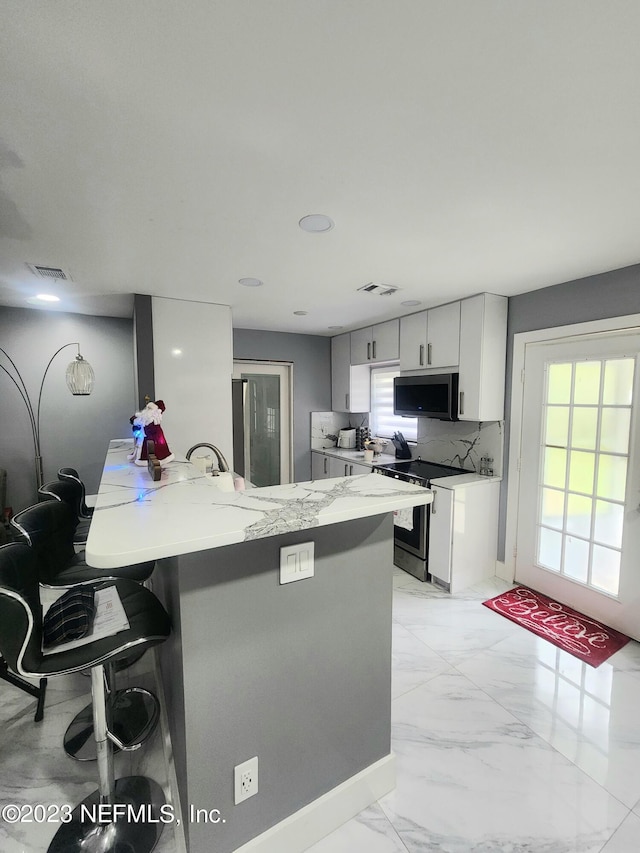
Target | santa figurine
(146,426)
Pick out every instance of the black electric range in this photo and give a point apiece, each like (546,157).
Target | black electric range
(411,528)
(417,471)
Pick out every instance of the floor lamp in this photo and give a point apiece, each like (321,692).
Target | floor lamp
(80,378)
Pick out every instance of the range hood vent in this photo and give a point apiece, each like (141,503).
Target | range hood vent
(379,289)
(49,272)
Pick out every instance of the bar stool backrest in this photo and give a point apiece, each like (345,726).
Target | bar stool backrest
(20,619)
(68,491)
(71,475)
(48,527)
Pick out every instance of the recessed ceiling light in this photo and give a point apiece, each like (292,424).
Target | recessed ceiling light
(250,282)
(300,313)
(47,297)
(335,327)
(316,223)
(176,352)
(411,302)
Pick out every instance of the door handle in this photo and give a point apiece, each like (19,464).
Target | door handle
(462,402)
(428,353)
(421,360)
(346,401)
(433,502)
(351,470)
(368,350)
(325,465)
(345,470)
(374,349)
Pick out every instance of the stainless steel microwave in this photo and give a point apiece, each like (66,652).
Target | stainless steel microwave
(431,396)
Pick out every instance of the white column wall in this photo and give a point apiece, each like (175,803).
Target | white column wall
(195,383)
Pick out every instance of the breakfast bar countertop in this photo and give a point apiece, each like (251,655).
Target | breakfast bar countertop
(137,519)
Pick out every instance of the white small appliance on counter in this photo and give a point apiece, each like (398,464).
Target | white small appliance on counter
(347,439)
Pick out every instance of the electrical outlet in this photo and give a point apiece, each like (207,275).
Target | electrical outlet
(245,780)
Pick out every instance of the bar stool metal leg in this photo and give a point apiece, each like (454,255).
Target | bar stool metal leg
(109,819)
(134,714)
(37,692)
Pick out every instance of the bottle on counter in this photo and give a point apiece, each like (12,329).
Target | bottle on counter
(486,466)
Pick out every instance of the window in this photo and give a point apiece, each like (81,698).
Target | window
(382,420)
(583,480)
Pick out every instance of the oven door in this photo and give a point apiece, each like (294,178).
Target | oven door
(415,540)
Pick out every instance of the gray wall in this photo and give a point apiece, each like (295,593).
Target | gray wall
(299,675)
(75,431)
(610,294)
(311,357)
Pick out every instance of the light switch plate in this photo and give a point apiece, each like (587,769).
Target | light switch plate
(296,562)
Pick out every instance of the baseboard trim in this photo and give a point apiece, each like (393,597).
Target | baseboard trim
(503,572)
(316,820)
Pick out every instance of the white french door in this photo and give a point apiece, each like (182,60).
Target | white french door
(578,533)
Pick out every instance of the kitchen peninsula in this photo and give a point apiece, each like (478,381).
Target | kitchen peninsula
(297,674)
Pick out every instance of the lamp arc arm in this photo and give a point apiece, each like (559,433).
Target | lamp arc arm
(44,376)
(22,390)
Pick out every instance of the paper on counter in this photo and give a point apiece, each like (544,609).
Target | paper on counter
(404,518)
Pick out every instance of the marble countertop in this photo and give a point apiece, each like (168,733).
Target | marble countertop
(136,519)
(356,455)
(459,481)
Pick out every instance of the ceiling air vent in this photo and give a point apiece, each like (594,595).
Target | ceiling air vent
(49,272)
(380,289)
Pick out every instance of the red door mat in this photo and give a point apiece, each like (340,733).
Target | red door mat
(577,634)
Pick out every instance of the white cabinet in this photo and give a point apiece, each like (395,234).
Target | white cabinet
(345,467)
(350,385)
(358,468)
(443,333)
(483,345)
(325,465)
(463,533)
(413,341)
(430,339)
(319,465)
(376,343)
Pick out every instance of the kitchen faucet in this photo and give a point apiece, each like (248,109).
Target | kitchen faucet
(223,465)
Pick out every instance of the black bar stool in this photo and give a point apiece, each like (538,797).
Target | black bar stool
(69,492)
(38,692)
(71,474)
(21,646)
(48,528)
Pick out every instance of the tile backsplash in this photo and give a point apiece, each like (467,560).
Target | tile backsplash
(460,443)
(324,424)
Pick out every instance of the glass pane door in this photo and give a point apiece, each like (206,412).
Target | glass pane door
(266,423)
(263,419)
(583,477)
(578,530)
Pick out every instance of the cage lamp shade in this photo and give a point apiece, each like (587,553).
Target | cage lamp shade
(80,377)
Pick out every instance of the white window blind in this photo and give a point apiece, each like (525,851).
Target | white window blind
(382,420)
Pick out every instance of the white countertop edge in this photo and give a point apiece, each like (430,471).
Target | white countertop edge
(220,540)
(170,543)
(459,481)
(355,455)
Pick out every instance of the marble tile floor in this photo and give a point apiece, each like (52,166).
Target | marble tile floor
(503,743)
(35,769)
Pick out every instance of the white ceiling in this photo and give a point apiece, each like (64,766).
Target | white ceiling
(459,146)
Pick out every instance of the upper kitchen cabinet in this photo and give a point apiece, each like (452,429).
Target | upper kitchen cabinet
(350,385)
(430,339)
(376,343)
(483,346)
